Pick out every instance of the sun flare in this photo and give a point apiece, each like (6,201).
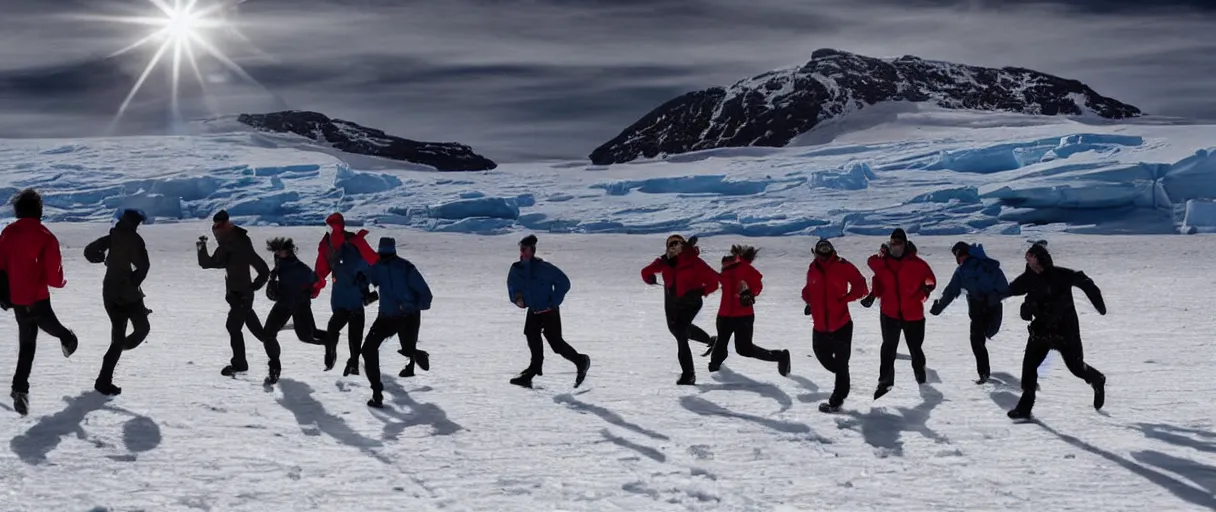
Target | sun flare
(184,29)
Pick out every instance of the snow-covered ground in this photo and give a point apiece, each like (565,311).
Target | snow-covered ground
(182,437)
(930,171)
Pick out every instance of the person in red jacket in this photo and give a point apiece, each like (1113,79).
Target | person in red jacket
(741,284)
(31,264)
(832,283)
(686,280)
(902,282)
(344,255)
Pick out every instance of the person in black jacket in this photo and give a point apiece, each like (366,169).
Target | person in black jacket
(290,288)
(1053,323)
(126,259)
(236,256)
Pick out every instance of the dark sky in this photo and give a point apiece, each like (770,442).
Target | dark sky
(524,79)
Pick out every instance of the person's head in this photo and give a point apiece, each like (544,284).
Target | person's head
(675,245)
(221,224)
(961,252)
(387,247)
(131,218)
(27,204)
(824,249)
(527,248)
(335,222)
(744,252)
(729,260)
(1037,258)
(898,243)
(282,248)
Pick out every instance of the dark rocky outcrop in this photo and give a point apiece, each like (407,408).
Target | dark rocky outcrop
(352,138)
(773,108)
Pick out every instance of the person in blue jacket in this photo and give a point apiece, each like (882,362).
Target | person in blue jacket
(403,295)
(539,287)
(290,288)
(986,286)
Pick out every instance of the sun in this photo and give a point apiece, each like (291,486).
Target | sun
(184,28)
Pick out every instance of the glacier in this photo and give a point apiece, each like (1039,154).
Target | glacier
(932,172)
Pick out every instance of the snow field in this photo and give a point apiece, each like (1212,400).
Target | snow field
(182,437)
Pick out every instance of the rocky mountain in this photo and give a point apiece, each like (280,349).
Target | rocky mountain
(352,138)
(773,108)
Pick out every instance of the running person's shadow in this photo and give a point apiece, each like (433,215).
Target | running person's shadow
(140,433)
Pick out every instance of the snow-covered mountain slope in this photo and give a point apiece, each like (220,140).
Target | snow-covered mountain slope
(774,107)
(458,438)
(931,171)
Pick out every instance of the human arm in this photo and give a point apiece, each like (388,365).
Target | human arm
(648,272)
(418,284)
(1087,285)
(952,291)
(52,263)
(141,263)
(365,250)
(95,252)
(259,265)
(709,277)
(857,284)
(218,259)
(561,285)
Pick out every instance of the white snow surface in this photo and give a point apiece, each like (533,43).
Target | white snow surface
(181,437)
(929,170)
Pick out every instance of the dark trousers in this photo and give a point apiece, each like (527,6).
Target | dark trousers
(833,349)
(549,325)
(241,315)
(985,322)
(133,313)
(680,315)
(741,327)
(301,316)
(914,336)
(30,319)
(405,327)
(342,318)
(674,308)
(1037,347)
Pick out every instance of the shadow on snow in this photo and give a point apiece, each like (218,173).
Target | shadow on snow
(412,413)
(732,381)
(314,420)
(140,433)
(1202,486)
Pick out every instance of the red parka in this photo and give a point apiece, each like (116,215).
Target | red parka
(831,284)
(687,272)
(902,284)
(733,276)
(29,254)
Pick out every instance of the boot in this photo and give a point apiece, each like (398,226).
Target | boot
(377,400)
(713,340)
(687,380)
(920,375)
(524,379)
(423,359)
(408,371)
(883,388)
(983,379)
(783,363)
(69,344)
(1099,385)
(272,377)
(584,364)
(331,356)
(21,403)
(352,367)
(1019,414)
(827,407)
(233,369)
(107,388)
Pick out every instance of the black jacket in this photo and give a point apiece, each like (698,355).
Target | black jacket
(291,282)
(236,256)
(126,259)
(1049,299)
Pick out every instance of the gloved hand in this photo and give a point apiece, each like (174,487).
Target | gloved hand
(807,310)
(652,280)
(201,244)
(936,309)
(1027,311)
(746,299)
(868,301)
(316,291)
(519,301)
(370,297)
(1101,310)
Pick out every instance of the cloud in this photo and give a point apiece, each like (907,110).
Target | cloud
(523,79)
